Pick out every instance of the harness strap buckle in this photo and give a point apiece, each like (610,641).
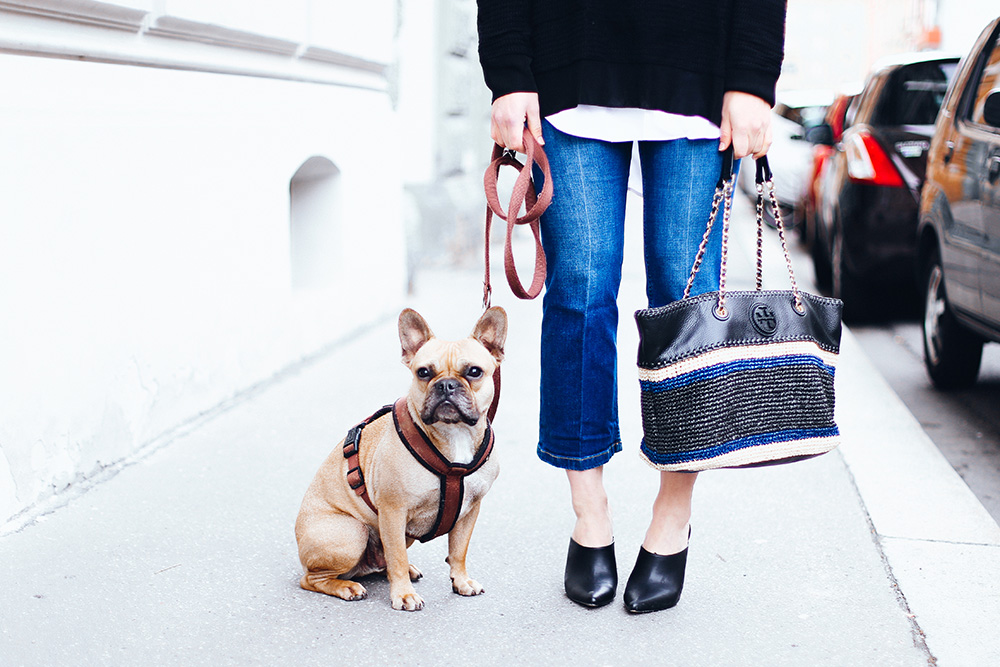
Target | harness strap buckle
(351,442)
(350,449)
(356,480)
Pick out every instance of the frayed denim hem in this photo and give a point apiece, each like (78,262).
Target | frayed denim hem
(580,464)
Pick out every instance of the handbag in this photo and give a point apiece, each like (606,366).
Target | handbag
(733,379)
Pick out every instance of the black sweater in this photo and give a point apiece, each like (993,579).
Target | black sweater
(679,56)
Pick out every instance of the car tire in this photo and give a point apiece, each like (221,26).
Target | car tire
(843,284)
(821,261)
(952,353)
(804,224)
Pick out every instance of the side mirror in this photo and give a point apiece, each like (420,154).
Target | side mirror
(991,108)
(820,134)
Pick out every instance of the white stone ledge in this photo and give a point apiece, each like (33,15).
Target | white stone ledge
(178,28)
(105,33)
(318,54)
(88,13)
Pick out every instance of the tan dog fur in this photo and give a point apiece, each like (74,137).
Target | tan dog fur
(339,536)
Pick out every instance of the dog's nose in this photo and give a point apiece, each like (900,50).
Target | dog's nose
(447,386)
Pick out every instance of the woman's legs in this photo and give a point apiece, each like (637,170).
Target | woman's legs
(590,504)
(668,529)
(583,235)
(678,180)
(678,183)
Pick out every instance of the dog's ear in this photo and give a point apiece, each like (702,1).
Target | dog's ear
(491,331)
(413,333)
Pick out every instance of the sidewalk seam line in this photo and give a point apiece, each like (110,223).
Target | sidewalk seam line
(956,543)
(919,638)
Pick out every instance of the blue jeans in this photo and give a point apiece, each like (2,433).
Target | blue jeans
(583,235)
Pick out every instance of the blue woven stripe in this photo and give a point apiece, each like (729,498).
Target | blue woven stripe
(706,453)
(725,368)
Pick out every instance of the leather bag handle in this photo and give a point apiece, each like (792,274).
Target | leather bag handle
(723,198)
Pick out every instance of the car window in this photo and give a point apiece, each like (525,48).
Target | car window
(914,93)
(863,103)
(806,116)
(988,78)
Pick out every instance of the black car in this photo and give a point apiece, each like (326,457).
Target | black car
(865,237)
(959,233)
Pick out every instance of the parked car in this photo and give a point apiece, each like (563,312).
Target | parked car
(869,192)
(822,138)
(959,233)
(795,114)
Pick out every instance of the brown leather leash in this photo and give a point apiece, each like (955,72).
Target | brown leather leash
(416,441)
(523,194)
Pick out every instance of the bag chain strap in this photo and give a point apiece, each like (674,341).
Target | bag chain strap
(724,196)
(779,224)
(716,200)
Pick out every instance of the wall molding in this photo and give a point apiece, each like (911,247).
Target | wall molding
(100,14)
(322,55)
(103,32)
(178,28)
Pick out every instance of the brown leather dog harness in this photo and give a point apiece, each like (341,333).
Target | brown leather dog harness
(450,474)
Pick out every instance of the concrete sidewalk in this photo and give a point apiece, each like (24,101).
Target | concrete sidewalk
(876,554)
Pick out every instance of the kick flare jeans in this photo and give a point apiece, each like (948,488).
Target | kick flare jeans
(583,233)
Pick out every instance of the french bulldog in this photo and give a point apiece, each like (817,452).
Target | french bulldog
(341,537)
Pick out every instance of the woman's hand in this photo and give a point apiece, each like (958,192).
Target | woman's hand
(746,123)
(508,117)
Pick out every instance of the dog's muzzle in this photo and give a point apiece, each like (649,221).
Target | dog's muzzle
(449,401)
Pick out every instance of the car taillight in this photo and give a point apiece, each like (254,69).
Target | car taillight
(867,161)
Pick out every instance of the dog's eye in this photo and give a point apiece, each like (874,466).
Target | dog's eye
(474,372)
(424,373)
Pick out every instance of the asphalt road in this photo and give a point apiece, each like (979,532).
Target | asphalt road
(964,425)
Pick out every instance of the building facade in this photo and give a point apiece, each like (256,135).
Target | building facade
(831,46)
(194,195)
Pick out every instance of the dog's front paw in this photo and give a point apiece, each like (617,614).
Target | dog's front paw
(324,582)
(466,586)
(415,573)
(407,602)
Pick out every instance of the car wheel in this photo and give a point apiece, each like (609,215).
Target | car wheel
(820,258)
(804,223)
(952,354)
(843,285)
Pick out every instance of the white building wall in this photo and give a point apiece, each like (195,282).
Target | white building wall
(961,22)
(832,44)
(145,235)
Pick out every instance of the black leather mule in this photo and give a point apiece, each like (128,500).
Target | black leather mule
(656,582)
(591,574)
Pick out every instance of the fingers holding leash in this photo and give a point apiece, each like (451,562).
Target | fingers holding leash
(508,117)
